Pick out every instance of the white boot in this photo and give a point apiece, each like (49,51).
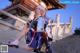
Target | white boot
(16,42)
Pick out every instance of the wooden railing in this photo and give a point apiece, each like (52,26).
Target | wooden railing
(12,16)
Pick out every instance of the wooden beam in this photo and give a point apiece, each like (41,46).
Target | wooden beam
(11,7)
(12,16)
(53,4)
(24,8)
(18,6)
(9,25)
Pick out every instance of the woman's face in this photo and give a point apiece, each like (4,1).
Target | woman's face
(40,12)
(43,13)
(37,12)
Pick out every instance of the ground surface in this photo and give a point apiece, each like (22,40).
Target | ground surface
(69,44)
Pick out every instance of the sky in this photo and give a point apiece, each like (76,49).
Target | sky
(72,10)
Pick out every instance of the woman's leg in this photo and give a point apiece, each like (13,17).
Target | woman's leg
(48,48)
(20,35)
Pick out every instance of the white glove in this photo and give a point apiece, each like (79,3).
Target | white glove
(16,42)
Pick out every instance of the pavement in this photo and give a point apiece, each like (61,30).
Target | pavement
(7,34)
(19,50)
(69,44)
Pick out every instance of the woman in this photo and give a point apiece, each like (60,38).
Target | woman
(39,11)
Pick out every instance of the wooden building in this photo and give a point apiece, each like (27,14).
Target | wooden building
(19,10)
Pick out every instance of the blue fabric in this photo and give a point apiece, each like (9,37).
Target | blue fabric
(37,41)
(29,36)
(40,24)
(33,24)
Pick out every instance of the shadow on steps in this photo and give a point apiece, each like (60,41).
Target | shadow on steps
(69,44)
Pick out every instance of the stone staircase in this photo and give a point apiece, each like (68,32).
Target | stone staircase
(70,44)
(9,34)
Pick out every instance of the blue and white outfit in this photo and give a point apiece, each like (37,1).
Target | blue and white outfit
(36,43)
(40,25)
(38,40)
